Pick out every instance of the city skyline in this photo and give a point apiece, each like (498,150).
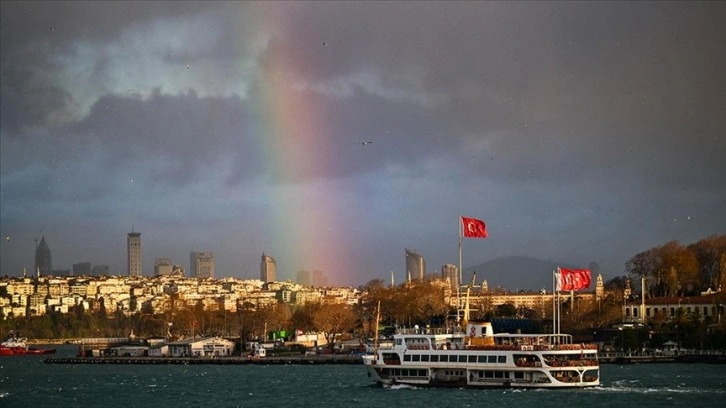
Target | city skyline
(333,135)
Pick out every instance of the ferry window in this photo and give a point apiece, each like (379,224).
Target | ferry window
(518,374)
(488,374)
(462,359)
(398,342)
(406,357)
(444,358)
(647,312)
(498,374)
(492,359)
(705,311)
(425,357)
(635,312)
(422,373)
(435,358)
(502,359)
(482,359)
(472,359)
(416,357)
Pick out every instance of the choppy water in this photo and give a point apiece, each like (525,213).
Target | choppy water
(25,381)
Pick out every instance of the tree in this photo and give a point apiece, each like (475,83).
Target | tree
(333,320)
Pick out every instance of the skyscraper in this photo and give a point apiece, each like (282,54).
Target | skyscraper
(201,264)
(43,264)
(162,266)
(415,264)
(451,272)
(133,252)
(268,268)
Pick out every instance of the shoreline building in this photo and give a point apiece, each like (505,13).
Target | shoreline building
(415,265)
(133,252)
(43,259)
(201,264)
(268,269)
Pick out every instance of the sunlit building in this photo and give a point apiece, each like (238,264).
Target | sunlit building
(133,252)
(201,264)
(268,269)
(451,273)
(415,265)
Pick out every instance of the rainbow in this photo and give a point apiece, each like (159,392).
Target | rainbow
(305,213)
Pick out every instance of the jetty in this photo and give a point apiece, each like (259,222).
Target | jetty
(691,356)
(329,359)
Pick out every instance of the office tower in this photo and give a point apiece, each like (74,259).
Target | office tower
(415,264)
(43,264)
(319,279)
(82,269)
(162,266)
(268,268)
(303,278)
(133,251)
(100,270)
(201,264)
(451,272)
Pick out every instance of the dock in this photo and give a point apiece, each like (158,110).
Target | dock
(331,359)
(706,357)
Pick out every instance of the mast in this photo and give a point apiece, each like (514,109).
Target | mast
(461,274)
(375,339)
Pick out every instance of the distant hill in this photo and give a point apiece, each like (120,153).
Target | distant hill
(515,273)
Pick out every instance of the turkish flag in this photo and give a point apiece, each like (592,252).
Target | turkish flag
(573,279)
(474,228)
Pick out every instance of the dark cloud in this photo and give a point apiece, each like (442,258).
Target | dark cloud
(578,130)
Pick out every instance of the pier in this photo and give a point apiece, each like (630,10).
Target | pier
(690,356)
(275,360)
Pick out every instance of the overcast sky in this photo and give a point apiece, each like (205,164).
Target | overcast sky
(578,131)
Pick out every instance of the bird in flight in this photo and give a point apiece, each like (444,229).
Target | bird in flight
(365,143)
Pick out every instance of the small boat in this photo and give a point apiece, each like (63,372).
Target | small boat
(17,346)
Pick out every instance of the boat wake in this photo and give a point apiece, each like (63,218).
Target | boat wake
(400,387)
(625,387)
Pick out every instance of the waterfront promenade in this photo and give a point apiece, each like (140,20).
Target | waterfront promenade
(325,359)
(698,356)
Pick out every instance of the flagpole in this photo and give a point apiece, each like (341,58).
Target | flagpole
(559,304)
(554,310)
(458,284)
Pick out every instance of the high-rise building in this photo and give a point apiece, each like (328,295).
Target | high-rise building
(133,252)
(162,266)
(43,264)
(201,264)
(268,269)
(82,269)
(319,279)
(100,270)
(303,278)
(450,272)
(415,264)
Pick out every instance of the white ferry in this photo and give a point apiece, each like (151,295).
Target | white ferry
(478,358)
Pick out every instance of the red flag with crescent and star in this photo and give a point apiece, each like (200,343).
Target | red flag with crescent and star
(474,228)
(573,279)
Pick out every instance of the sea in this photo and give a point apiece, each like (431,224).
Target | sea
(26,381)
